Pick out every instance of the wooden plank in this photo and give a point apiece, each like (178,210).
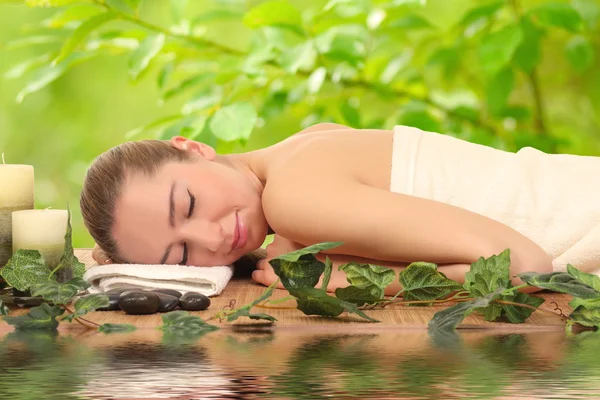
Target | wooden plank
(243,290)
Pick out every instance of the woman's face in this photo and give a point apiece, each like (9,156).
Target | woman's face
(200,213)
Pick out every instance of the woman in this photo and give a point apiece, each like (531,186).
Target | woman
(178,202)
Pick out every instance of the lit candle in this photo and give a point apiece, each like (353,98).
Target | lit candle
(41,230)
(16,193)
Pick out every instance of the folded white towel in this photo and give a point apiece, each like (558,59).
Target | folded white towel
(550,198)
(209,281)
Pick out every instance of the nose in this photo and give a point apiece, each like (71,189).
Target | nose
(204,233)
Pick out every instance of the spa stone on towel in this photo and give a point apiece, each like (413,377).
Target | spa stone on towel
(139,302)
(113,302)
(170,292)
(167,302)
(193,301)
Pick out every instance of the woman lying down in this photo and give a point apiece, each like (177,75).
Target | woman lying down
(391,196)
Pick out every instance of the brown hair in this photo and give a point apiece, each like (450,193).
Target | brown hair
(105,179)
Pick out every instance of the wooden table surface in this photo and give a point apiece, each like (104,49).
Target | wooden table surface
(243,290)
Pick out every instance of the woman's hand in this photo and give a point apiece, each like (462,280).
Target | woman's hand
(100,256)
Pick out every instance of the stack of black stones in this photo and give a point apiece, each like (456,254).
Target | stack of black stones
(140,301)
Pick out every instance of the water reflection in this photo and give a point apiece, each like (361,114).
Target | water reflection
(296,364)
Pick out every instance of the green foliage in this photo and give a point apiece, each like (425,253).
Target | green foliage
(116,328)
(184,321)
(313,301)
(42,317)
(68,265)
(244,311)
(55,292)
(372,278)
(560,282)
(25,269)
(88,304)
(422,281)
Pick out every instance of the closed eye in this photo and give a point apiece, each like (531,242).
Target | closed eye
(192,203)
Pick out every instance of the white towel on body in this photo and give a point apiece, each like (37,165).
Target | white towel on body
(209,281)
(553,199)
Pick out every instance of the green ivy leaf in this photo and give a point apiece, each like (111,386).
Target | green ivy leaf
(116,328)
(560,282)
(300,268)
(498,90)
(42,317)
(312,301)
(516,314)
(561,15)
(234,122)
(586,316)
(146,51)
(274,12)
(69,266)
(25,269)
(327,273)
(373,278)
(88,304)
(586,303)
(82,32)
(80,283)
(57,293)
(589,279)
(49,73)
(497,48)
(529,54)
(356,295)
(580,53)
(493,272)
(423,281)
(182,320)
(449,318)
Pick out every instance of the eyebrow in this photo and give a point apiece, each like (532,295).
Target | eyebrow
(171,220)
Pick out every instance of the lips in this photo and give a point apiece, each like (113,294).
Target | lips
(236,233)
(240,233)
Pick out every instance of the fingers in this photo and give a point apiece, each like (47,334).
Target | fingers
(100,256)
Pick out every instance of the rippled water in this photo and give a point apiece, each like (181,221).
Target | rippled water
(293,364)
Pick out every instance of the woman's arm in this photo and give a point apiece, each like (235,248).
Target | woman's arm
(382,225)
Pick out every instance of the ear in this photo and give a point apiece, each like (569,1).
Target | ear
(185,144)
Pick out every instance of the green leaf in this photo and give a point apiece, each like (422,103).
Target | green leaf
(48,74)
(327,273)
(233,122)
(186,84)
(79,283)
(529,54)
(178,9)
(587,303)
(561,15)
(218,15)
(25,269)
(584,316)
(3,309)
(580,53)
(274,12)
(165,73)
(141,57)
(87,304)
(486,275)
(205,98)
(483,11)
(516,314)
(451,317)
(420,119)
(312,301)
(125,6)
(154,124)
(356,295)
(189,127)
(57,293)
(423,281)
(182,320)
(498,90)
(41,317)
(82,32)
(498,48)
(343,43)
(411,22)
(560,282)
(316,79)
(350,114)
(69,266)
(373,278)
(300,268)
(589,279)
(299,58)
(116,328)
(19,69)
(589,11)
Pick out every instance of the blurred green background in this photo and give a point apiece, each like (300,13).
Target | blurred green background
(82,76)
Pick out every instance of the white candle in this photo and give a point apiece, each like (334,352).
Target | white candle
(16,193)
(41,230)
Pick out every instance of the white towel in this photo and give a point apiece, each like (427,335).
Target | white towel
(209,281)
(553,199)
